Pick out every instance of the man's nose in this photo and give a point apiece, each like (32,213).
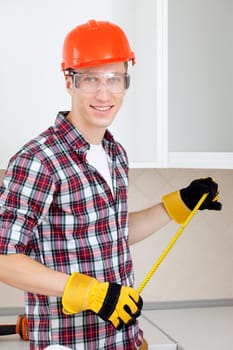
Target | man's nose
(103,91)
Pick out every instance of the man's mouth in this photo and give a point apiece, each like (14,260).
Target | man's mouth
(102,108)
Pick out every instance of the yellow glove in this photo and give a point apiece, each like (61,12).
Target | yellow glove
(180,203)
(112,302)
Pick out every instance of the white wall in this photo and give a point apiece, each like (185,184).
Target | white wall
(32,86)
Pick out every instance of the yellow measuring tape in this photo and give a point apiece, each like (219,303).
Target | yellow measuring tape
(170,245)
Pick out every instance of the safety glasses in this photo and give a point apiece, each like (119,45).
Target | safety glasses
(91,82)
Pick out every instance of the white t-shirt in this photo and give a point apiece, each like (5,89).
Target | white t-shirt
(97,157)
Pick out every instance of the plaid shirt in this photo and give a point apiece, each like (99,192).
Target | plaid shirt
(57,209)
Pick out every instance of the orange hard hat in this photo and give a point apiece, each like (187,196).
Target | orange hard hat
(94,43)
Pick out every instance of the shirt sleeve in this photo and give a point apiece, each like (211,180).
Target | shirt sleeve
(25,197)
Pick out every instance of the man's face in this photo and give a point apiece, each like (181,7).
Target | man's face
(95,110)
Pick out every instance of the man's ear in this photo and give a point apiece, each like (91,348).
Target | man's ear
(69,84)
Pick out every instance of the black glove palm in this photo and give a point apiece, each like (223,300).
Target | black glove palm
(192,193)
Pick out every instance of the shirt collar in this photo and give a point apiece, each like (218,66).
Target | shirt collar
(75,138)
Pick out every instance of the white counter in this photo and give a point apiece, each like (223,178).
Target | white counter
(198,328)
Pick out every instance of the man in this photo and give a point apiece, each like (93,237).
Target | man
(65,229)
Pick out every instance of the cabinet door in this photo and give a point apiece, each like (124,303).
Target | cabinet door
(200,78)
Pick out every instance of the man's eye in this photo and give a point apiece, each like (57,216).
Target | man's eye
(90,79)
(115,80)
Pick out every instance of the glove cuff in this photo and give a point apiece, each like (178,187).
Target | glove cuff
(76,293)
(175,207)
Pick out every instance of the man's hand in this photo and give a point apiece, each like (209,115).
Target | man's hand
(118,304)
(180,203)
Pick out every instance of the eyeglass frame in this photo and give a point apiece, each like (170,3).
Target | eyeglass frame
(76,75)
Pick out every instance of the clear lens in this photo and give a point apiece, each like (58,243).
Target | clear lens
(92,82)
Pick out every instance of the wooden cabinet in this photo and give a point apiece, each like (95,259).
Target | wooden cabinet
(187,46)
(182,100)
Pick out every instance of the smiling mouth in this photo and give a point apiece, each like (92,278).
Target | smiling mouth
(101,108)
